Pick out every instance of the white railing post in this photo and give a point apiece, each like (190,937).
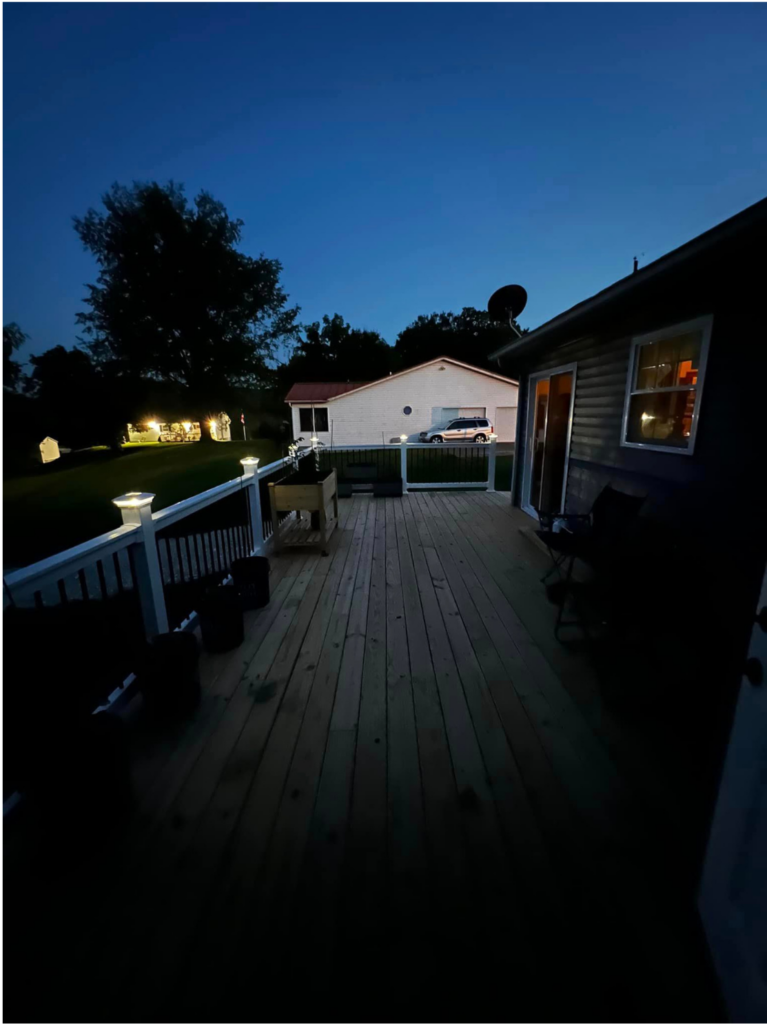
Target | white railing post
(136,509)
(315,442)
(403,460)
(493,438)
(250,477)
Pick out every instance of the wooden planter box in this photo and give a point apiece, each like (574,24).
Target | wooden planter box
(304,491)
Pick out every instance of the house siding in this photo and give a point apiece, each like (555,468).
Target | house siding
(666,479)
(375,414)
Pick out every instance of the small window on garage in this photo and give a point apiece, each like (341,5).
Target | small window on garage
(312,421)
(305,421)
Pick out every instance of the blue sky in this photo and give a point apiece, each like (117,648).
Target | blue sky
(397,158)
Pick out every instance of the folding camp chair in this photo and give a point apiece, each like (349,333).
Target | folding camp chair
(595,537)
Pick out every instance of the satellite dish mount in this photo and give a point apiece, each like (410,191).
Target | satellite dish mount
(506,304)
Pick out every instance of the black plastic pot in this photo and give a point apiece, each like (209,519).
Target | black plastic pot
(251,581)
(170,680)
(221,622)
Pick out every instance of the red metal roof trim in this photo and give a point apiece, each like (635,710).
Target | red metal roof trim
(321,392)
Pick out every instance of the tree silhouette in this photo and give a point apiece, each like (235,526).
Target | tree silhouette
(175,300)
(469,336)
(13,373)
(333,350)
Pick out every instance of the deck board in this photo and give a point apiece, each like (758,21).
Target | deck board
(398,784)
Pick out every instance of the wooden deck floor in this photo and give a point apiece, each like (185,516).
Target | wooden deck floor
(399,799)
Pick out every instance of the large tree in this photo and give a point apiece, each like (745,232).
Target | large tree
(333,350)
(176,301)
(13,373)
(469,336)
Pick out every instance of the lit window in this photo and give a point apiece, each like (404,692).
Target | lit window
(666,371)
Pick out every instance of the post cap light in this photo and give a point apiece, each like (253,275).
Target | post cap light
(403,437)
(313,439)
(134,499)
(492,437)
(249,460)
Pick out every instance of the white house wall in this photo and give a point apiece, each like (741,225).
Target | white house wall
(363,417)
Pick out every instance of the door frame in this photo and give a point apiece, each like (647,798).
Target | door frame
(527,470)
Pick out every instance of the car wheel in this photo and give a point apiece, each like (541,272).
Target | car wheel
(437,439)
(479,439)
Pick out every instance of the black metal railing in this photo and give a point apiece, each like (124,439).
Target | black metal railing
(381,464)
(439,464)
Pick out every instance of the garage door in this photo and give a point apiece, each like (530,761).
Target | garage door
(506,422)
(472,410)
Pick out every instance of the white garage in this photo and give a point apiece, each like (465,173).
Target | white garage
(374,412)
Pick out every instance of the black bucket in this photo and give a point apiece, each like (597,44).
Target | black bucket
(221,622)
(170,680)
(251,581)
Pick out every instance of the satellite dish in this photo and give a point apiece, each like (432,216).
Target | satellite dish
(507,303)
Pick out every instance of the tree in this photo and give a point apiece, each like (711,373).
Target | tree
(469,336)
(333,350)
(13,373)
(175,301)
(76,401)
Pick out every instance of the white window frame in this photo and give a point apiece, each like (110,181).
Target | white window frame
(314,410)
(704,325)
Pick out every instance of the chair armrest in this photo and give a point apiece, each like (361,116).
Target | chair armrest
(547,519)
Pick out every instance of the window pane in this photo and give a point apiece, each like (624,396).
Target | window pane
(320,420)
(647,358)
(667,359)
(664,418)
(689,357)
(305,420)
(669,363)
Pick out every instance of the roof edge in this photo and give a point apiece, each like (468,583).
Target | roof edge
(719,233)
(410,369)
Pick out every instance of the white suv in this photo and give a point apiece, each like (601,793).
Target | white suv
(476,429)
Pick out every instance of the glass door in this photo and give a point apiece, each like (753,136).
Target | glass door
(549,423)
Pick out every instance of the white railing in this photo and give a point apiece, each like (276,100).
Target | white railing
(127,557)
(102,566)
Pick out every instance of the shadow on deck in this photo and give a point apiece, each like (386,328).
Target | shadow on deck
(399,798)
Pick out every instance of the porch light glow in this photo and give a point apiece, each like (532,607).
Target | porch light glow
(133,499)
(187,427)
(646,416)
(249,460)
(153,425)
(211,424)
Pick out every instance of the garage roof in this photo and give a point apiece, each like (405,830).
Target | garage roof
(326,392)
(321,392)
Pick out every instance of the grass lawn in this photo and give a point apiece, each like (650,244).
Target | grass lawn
(70,501)
(67,502)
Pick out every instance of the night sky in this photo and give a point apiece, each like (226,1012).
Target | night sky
(397,158)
